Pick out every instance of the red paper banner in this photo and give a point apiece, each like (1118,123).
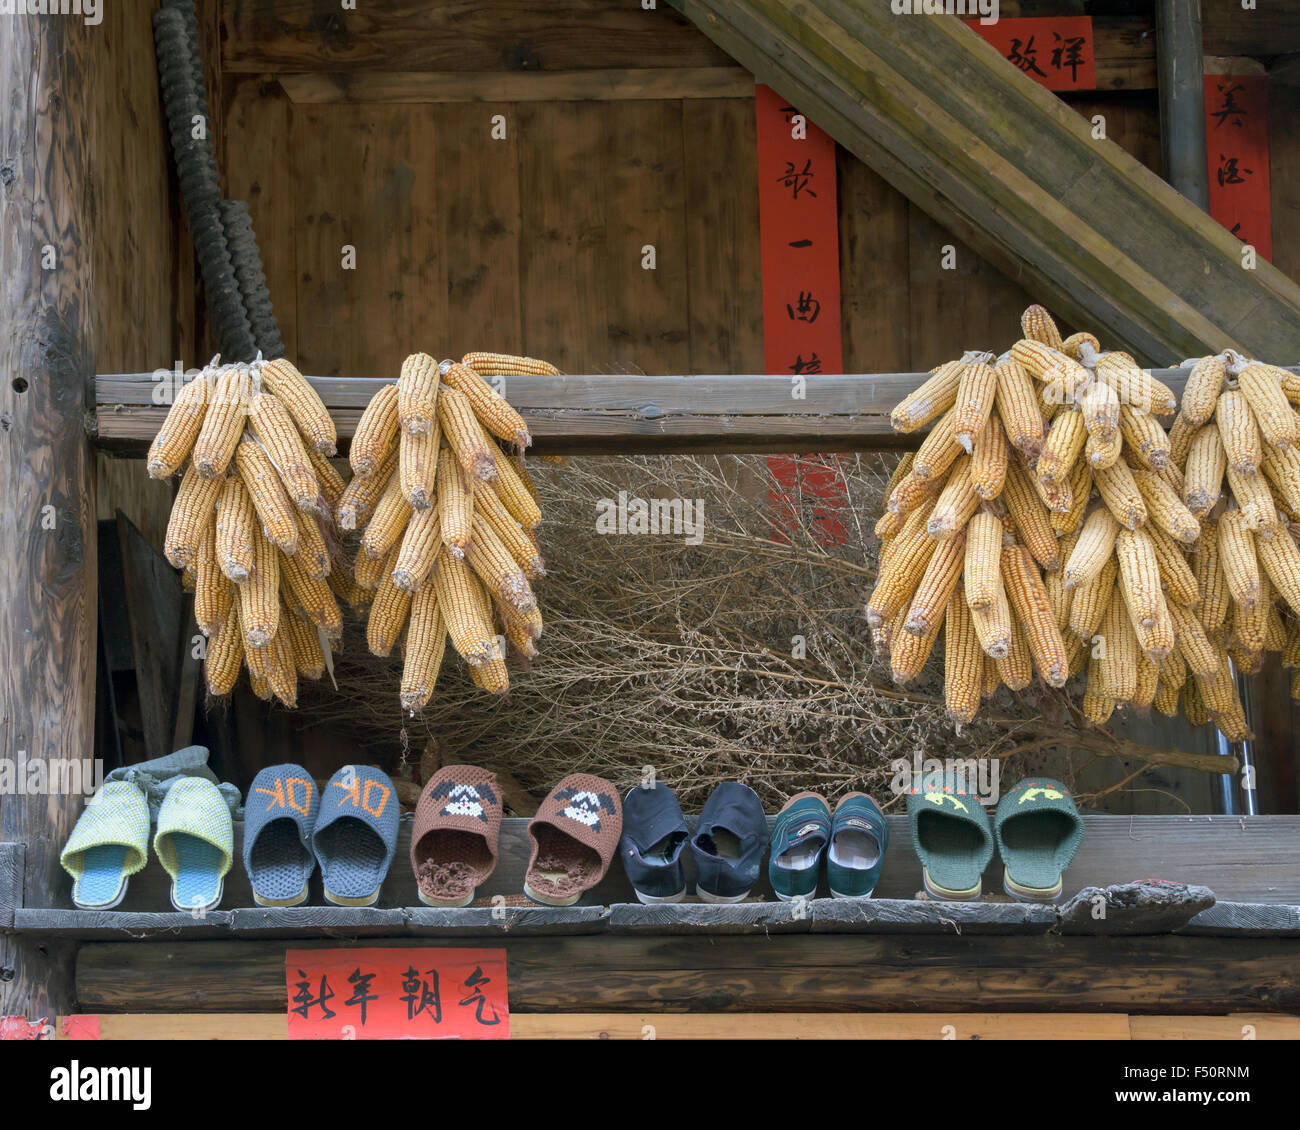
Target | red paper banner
(1236,143)
(799,234)
(397,994)
(1056,51)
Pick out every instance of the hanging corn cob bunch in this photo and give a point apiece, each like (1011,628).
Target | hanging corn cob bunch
(251,443)
(446,520)
(1046,498)
(1237,442)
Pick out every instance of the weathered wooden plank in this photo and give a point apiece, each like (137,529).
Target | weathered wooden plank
(459,35)
(750,917)
(618,412)
(778,973)
(1133,908)
(116,925)
(1237,1026)
(727,1026)
(502,921)
(604,85)
(1235,919)
(915,916)
(11,881)
(316,921)
(1012,172)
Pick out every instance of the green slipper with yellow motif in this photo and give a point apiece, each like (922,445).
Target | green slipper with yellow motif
(952,837)
(1038,830)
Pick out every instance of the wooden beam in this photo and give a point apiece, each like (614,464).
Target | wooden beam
(734,1026)
(47,489)
(605,85)
(620,414)
(1013,172)
(458,35)
(778,973)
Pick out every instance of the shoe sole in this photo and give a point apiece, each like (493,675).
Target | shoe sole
(945,895)
(709,896)
(469,898)
(791,898)
(841,895)
(568,900)
(297,900)
(655,900)
(1031,894)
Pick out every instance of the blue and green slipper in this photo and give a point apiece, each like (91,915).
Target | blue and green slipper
(952,837)
(856,855)
(1038,831)
(799,838)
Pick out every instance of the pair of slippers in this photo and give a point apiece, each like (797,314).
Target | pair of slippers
(289,829)
(853,840)
(574,835)
(194,841)
(1037,829)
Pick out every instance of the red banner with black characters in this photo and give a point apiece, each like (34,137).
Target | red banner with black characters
(800,243)
(1056,51)
(1236,146)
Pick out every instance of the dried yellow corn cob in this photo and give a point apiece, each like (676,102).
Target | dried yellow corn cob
(1173,669)
(1194,708)
(175,439)
(1118,651)
(492,410)
(930,399)
(1246,662)
(1016,402)
(466,436)
(277,514)
(898,576)
(1275,629)
(1056,496)
(426,643)
(908,653)
(1239,431)
(1091,599)
(236,526)
(1203,475)
(314,596)
(367,570)
(1079,485)
(938,450)
(1016,669)
(466,609)
(376,432)
(304,644)
(1193,643)
(259,596)
(1176,574)
(192,512)
(508,365)
(1165,509)
(279,437)
(975,393)
(991,679)
(1135,386)
(419,551)
(1064,377)
(223,423)
(1283,471)
(1278,424)
(418,394)
(346,587)
(900,471)
(1033,610)
(330,481)
(1144,437)
(224,655)
(1099,405)
(388,613)
(1219,691)
(1064,442)
(1232,723)
(1033,526)
(1201,394)
(983,566)
(1096,706)
(1291,649)
(993,625)
(1078,343)
(1158,640)
(363,493)
(1119,491)
(388,522)
(213,592)
(311,546)
(1038,325)
(1255,500)
(1093,549)
(1103,454)
(496,568)
(910,493)
(1148,681)
(1281,561)
(417,466)
(940,578)
(456,493)
(1139,577)
(1180,439)
(988,470)
(309,413)
(963,662)
(281,670)
(259,686)
(957,502)
(516,491)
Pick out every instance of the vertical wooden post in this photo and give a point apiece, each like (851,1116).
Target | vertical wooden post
(1182,98)
(47,518)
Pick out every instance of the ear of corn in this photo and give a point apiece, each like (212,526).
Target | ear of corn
(1281,561)
(508,365)
(957,502)
(1064,442)
(1278,424)
(419,551)
(898,577)
(1177,575)
(417,466)
(466,436)
(1165,509)
(376,432)
(492,410)
(1210,580)
(367,570)
(175,439)
(1180,439)
(417,394)
(314,596)
(1016,401)
(983,566)
(988,472)
(1119,491)
(937,584)
(1148,681)
(1091,600)
(223,423)
(224,655)
(193,510)
(281,670)
(993,626)
(276,512)
(1239,431)
(1033,611)
(1255,500)
(330,481)
(513,488)
(1038,325)
(466,610)
(1118,651)
(259,596)
(1139,577)
(456,495)
(304,644)
(1145,438)
(1102,454)
(236,526)
(426,643)
(496,568)
(963,662)
(975,393)
(938,450)
(275,430)
(388,521)
(1099,405)
(1135,386)
(1033,526)
(388,613)
(1080,489)
(213,591)
(308,411)
(362,494)
(1201,394)
(930,400)
(1203,472)
(908,652)
(1017,668)
(1193,644)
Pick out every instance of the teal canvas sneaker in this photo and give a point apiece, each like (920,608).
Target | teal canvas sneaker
(799,838)
(859,837)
